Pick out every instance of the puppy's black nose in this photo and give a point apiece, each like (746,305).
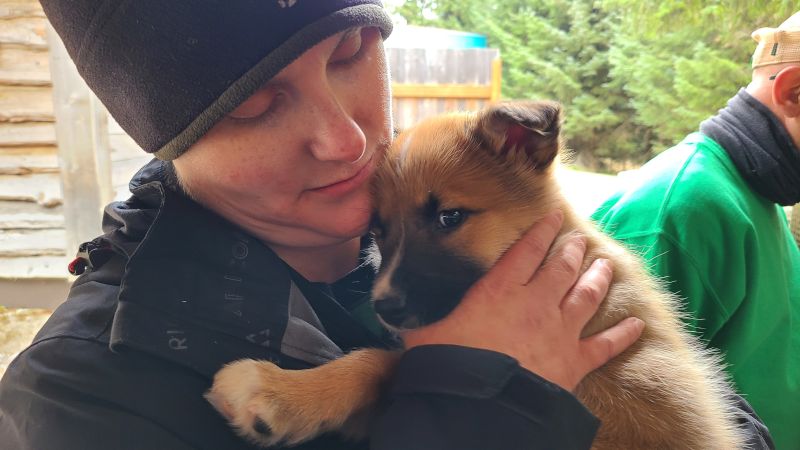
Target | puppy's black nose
(392,309)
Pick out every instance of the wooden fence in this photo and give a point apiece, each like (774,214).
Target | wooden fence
(426,82)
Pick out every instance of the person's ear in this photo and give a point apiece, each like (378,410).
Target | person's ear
(786,91)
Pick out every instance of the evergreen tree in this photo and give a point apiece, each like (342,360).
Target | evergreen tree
(680,61)
(634,76)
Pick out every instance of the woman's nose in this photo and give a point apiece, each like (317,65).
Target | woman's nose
(336,135)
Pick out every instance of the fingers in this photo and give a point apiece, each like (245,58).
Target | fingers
(522,260)
(562,268)
(585,297)
(601,347)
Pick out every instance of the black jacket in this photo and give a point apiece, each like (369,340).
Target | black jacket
(173,292)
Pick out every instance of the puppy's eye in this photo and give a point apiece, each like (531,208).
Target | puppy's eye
(450,218)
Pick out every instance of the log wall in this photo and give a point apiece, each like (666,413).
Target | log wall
(31,213)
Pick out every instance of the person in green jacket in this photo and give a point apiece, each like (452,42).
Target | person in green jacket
(706,216)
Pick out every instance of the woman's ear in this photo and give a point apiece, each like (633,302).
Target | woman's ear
(786,91)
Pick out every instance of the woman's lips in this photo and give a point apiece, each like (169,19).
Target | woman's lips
(347,185)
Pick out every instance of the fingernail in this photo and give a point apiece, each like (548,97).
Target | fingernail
(606,264)
(637,322)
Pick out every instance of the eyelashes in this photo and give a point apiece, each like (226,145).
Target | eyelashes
(260,106)
(352,47)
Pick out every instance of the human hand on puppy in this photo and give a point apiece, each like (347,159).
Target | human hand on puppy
(535,313)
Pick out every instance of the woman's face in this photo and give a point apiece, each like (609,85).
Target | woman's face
(291,164)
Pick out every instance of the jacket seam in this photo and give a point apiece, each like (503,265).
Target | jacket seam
(62,336)
(672,184)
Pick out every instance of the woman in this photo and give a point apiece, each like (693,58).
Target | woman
(244,239)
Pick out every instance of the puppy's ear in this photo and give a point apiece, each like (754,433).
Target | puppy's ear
(528,127)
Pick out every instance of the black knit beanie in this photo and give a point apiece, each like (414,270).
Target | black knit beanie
(168,70)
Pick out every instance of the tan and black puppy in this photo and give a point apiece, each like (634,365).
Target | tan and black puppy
(453,194)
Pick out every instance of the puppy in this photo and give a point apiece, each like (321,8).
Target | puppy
(453,194)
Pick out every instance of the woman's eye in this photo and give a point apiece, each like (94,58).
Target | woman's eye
(450,218)
(256,105)
(349,47)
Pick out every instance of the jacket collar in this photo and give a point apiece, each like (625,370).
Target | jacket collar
(200,291)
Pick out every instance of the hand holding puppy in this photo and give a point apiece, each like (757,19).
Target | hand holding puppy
(534,312)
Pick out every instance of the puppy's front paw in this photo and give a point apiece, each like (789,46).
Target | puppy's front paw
(266,404)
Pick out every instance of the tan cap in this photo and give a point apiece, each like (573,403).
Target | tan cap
(778,45)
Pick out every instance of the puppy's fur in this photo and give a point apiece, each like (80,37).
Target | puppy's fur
(453,194)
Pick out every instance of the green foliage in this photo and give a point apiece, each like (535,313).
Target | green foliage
(634,76)
(680,61)
(671,92)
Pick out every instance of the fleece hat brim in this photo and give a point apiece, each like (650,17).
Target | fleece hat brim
(168,71)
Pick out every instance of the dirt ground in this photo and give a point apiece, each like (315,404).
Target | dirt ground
(17,328)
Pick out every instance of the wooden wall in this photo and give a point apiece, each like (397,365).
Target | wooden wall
(46,179)
(31,218)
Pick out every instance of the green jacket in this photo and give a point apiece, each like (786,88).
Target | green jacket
(729,253)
